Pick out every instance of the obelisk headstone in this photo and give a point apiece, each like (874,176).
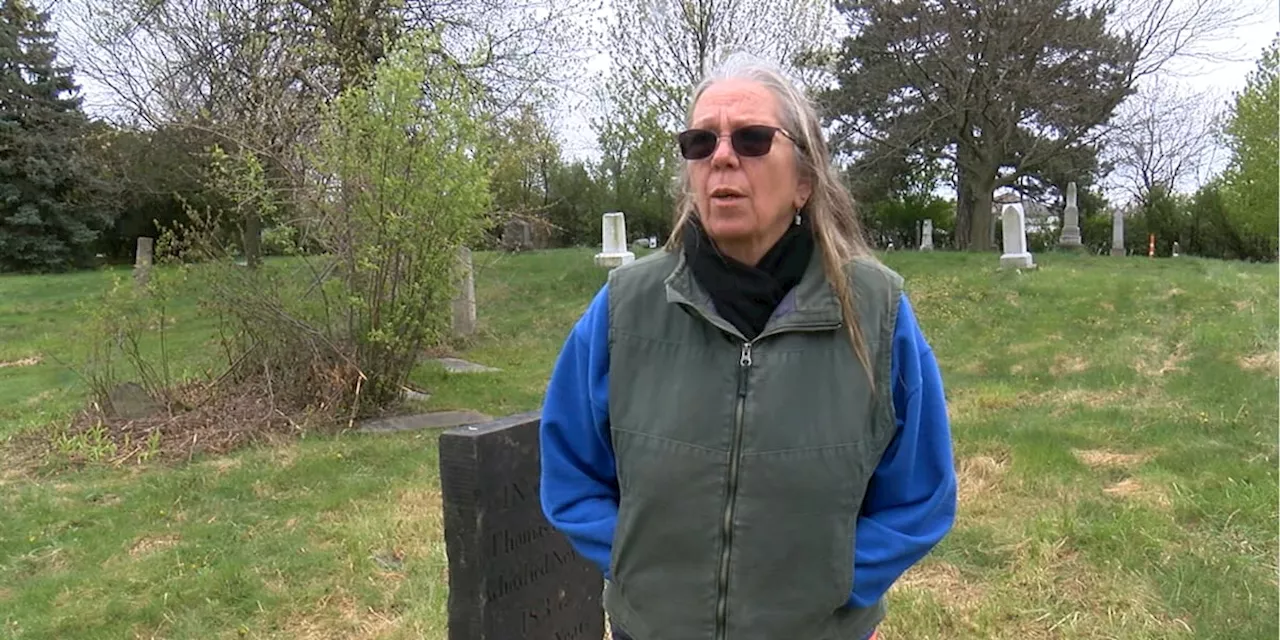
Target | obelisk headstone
(464,300)
(926,236)
(142,260)
(1117,233)
(511,575)
(1014,225)
(1070,238)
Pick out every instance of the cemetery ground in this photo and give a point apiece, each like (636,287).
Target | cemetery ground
(1115,425)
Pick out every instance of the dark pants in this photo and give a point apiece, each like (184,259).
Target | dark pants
(620,635)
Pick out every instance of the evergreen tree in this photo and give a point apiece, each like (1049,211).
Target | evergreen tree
(47,221)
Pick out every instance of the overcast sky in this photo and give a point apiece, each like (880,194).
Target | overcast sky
(1222,77)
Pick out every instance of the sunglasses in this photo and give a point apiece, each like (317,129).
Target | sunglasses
(750,141)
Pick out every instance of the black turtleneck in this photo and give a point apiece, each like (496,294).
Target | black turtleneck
(746,295)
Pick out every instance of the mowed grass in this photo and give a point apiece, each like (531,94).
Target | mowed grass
(1115,425)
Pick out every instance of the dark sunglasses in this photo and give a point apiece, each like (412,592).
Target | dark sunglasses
(749,141)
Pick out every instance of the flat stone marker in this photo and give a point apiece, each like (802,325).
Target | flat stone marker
(433,420)
(511,575)
(458,365)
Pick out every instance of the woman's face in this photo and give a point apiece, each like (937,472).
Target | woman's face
(745,202)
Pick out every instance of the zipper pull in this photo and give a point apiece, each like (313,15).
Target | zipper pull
(746,355)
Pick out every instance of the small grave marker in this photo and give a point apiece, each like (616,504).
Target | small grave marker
(511,574)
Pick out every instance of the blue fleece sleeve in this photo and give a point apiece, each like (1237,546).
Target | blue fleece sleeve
(579,489)
(911,499)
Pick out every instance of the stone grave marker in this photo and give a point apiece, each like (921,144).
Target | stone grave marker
(1117,233)
(1070,238)
(464,300)
(142,260)
(511,575)
(613,250)
(926,236)
(1014,226)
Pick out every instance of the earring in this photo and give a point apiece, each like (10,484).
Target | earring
(797,218)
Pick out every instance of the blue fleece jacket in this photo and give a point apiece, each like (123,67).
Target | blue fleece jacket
(910,502)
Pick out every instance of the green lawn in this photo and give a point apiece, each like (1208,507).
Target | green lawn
(1115,425)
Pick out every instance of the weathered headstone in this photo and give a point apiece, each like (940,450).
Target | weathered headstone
(1177,249)
(1117,233)
(511,575)
(1014,226)
(926,236)
(1070,238)
(517,235)
(613,250)
(464,300)
(142,260)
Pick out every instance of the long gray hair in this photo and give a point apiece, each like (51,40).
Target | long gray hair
(830,209)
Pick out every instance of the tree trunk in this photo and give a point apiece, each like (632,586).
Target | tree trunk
(973,202)
(253,240)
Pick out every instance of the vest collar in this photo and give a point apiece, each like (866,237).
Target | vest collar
(810,306)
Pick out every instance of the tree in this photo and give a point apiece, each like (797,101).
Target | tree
(1163,138)
(47,222)
(997,90)
(1251,193)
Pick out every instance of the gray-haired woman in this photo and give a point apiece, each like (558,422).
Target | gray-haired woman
(747,431)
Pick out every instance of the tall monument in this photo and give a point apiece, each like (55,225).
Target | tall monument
(1071,221)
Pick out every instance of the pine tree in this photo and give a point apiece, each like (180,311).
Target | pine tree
(47,222)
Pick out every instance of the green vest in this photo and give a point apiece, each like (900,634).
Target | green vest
(743,465)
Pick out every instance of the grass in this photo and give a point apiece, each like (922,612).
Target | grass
(1115,425)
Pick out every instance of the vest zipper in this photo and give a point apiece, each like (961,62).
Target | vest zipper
(726,526)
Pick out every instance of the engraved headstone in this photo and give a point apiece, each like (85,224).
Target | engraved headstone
(926,236)
(613,241)
(1014,226)
(464,299)
(142,260)
(511,575)
(1071,221)
(1117,233)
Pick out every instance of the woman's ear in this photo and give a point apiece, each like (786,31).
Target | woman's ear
(803,191)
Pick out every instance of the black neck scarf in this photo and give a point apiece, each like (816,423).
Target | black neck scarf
(746,295)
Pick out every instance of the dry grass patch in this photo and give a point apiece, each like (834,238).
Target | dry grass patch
(1077,600)
(147,545)
(38,398)
(946,585)
(24,362)
(1130,398)
(1267,361)
(1157,361)
(1063,364)
(979,477)
(968,403)
(1134,489)
(339,616)
(1098,458)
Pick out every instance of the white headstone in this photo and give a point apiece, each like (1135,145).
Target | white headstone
(926,236)
(464,301)
(613,250)
(1117,233)
(1014,225)
(1071,221)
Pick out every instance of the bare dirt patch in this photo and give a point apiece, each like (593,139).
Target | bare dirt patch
(946,584)
(147,545)
(1064,364)
(24,362)
(1267,361)
(1098,458)
(1134,489)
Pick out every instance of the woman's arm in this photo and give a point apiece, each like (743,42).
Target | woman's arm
(579,480)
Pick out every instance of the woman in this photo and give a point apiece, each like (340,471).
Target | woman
(747,431)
